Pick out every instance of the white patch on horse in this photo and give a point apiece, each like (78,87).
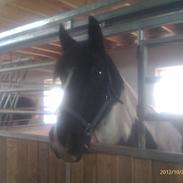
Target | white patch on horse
(118,124)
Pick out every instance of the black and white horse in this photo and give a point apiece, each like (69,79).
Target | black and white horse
(98,104)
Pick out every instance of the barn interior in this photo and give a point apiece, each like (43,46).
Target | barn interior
(29,49)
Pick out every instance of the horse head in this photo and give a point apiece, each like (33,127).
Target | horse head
(89,79)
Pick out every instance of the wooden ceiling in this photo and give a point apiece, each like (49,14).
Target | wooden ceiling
(14,13)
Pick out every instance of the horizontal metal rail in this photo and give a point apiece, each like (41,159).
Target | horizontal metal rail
(139,153)
(152,80)
(122,24)
(143,9)
(28,89)
(9,111)
(30,66)
(83,10)
(59,18)
(110,149)
(17,61)
(163,117)
(162,41)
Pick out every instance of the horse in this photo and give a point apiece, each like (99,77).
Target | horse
(99,106)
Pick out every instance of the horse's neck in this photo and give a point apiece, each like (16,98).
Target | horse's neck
(118,123)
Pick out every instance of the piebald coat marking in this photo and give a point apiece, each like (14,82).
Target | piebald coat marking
(118,124)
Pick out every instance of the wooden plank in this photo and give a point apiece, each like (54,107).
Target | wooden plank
(43,162)
(125,169)
(15,14)
(142,171)
(32,162)
(55,44)
(32,53)
(69,4)
(3,159)
(46,50)
(167,172)
(56,169)
(28,10)
(107,168)
(43,7)
(77,173)
(12,153)
(90,168)
(22,161)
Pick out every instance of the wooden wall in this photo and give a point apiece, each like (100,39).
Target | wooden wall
(25,161)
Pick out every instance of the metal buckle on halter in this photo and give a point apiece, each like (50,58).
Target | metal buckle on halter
(88,129)
(88,132)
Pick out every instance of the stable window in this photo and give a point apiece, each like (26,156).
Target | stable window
(168,91)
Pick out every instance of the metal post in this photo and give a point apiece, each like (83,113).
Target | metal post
(68,172)
(141,67)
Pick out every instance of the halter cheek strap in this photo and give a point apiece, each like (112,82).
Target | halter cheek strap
(90,126)
(111,98)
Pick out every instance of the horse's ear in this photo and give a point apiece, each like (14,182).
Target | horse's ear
(95,36)
(65,39)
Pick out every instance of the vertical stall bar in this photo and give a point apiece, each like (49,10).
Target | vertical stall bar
(68,173)
(141,72)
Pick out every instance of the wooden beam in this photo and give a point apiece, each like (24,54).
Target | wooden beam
(34,54)
(28,10)
(121,5)
(46,50)
(115,41)
(135,34)
(55,44)
(69,4)
(168,29)
(114,7)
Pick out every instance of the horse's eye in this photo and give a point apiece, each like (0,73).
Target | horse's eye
(98,73)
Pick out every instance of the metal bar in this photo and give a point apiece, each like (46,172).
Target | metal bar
(58,18)
(9,111)
(144,23)
(144,9)
(141,67)
(162,41)
(125,25)
(18,135)
(68,172)
(138,153)
(156,117)
(15,61)
(33,89)
(31,66)
(152,80)
(111,149)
